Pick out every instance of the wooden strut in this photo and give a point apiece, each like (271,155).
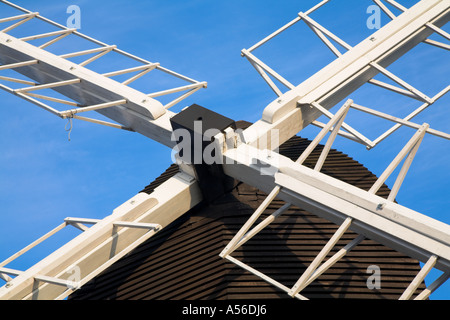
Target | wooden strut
(301,282)
(419,278)
(409,151)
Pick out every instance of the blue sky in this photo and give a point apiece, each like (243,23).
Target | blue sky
(45,178)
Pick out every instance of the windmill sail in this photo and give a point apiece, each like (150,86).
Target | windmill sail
(247,156)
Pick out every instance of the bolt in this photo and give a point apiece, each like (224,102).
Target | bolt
(381,206)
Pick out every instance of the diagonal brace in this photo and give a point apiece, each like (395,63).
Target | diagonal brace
(409,150)
(337,118)
(300,284)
